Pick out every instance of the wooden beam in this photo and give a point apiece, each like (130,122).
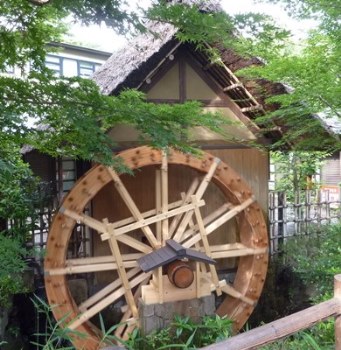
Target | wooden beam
(121,269)
(283,327)
(185,199)
(70,270)
(145,214)
(206,245)
(85,316)
(134,243)
(229,215)
(106,290)
(238,252)
(101,259)
(158,203)
(235,294)
(85,219)
(132,207)
(148,221)
(220,220)
(233,86)
(125,329)
(164,196)
(252,108)
(199,193)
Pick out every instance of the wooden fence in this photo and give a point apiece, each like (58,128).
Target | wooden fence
(289,325)
(303,213)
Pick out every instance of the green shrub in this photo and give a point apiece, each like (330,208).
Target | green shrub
(12,265)
(183,333)
(316,259)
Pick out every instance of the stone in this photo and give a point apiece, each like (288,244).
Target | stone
(157,316)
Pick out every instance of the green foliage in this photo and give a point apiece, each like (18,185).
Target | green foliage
(316,260)
(300,341)
(294,168)
(311,69)
(12,265)
(54,337)
(183,333)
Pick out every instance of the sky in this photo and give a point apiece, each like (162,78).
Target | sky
(105,39)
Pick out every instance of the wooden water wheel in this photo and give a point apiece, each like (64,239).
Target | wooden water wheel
(211,211)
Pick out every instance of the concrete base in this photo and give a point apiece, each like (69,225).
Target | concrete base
(157,316)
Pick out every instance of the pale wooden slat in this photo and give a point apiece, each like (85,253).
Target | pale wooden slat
(192,237)
(185,199)
(70,270)
(84,219)
(125,329)
(106,290)
(132,207)
(158,203)
(164,196)
(159,224)
(134,243)
(145,214)
(145,222)
(238,252)
(233,86)
(197,244)
(228,289)
(120,269)
(101,259)
(85,316)
(199,193)
(206,245)
(229,215)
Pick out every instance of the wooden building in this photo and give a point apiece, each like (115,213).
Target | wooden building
(131,215)
(234,173)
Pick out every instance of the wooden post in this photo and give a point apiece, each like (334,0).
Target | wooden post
(280,206)
(337,295)
(288,325)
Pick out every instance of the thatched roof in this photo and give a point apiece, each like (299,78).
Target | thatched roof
(125,67)
(133,65)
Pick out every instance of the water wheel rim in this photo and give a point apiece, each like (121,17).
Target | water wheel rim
(251,223)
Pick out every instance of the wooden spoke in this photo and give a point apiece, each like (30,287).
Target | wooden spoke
(191,235)
(159,225)
(132,207)
(158,200)
(145,222)
(84,219)
(226,251)
(123,330)
(164,196)
(199,193)
(219,220)
(206,245)
(70,270)
(106,290)
(201,266)
(102,259)
(185,199)
(227,289)
(102,304)
(121,270)
(134,243)
(146,214)
(229,215)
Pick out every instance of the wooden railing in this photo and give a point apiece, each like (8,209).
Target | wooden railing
(286,326)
